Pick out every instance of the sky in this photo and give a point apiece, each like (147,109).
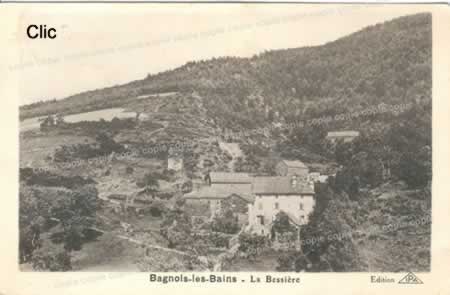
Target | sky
(102,46)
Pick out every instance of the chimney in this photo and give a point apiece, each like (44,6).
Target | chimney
(294,181)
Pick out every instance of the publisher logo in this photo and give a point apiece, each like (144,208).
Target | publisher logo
(410,278)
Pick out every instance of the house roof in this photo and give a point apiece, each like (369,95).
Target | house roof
(174,157)
(209,192)
(294,164)
(229,177)
(279,185)
(261,185)
(343,134)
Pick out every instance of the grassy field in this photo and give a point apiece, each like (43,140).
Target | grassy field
(35,147)
(107,253)
(266,261)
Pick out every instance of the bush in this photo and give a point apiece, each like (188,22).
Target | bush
(46,178)
(226,223)
(106,145)
(293,262)
(187,187)
(335,254)
(251,245)
(414,171)
(51,259)
(157,208)
(220,241)
(282,224)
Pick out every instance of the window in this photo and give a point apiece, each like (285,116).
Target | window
(261,219)
(277,206)
(260,206)
(301,206)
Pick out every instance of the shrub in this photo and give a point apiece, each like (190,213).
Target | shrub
(106,145)
(282,224)
(46,178)
(157,208)
(51,259)
(251,245)
(295,261)
(226,223)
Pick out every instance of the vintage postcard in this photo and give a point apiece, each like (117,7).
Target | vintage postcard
(184,147)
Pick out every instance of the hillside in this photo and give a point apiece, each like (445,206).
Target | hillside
(389,62)
(386,63)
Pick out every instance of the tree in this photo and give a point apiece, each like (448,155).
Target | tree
(129,170)
(157,208)
(29,240)
(415,171)
(108,145)
(282,224)
(176,228)
(293,261)
(225,222)
(41,210)
(343,152)
(150,184)
(50,257)
(46,123)
(333,248)
(251,245)
(75,213)
(187,187)
(59,119)
(31,221)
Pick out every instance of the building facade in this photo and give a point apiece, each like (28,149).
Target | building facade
(276,194)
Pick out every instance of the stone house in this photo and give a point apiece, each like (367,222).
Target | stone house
(290,168)
(208,202)
(223,190)
(255,200)
(275,194)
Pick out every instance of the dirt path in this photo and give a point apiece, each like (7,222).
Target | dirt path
(137,242)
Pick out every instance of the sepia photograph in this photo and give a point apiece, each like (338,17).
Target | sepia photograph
(272,138)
